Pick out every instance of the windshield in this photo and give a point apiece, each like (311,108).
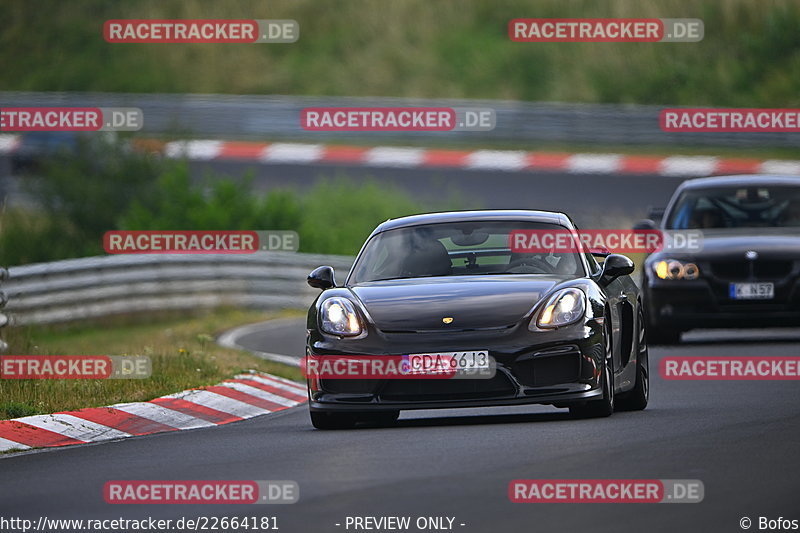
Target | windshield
(458,249)
(737,207)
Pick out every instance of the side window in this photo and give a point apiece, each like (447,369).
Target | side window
(591,262)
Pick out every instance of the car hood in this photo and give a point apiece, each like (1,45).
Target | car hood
(733,244)
(473,302)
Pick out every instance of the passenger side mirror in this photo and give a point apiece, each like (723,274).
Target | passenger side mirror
(616,265)
(322,278)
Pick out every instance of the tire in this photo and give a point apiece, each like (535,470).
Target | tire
(636,399)
(604,406)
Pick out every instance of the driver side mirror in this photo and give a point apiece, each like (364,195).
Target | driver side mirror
(616,265)
(322,278)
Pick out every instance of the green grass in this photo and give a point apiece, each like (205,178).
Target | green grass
(182,350)
(750,56)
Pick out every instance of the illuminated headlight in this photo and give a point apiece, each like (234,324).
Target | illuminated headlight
(564,307)
(338,317)
(674,269)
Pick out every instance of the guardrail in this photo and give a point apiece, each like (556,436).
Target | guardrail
(79,289)
(253,116)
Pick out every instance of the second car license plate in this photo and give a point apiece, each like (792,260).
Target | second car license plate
(751,291)
(447,362)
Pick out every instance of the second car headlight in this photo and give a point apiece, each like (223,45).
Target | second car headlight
(563,307)
(338,317)
(674,269)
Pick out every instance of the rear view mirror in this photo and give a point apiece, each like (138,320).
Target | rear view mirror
(322,278)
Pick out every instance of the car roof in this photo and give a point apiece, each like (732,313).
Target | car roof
(741,180)
(547,217)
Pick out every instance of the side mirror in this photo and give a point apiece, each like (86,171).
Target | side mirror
(645,225)
(322,278)
(616,265)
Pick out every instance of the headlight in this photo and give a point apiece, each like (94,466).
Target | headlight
(338,317)
(674,269)
(564,307)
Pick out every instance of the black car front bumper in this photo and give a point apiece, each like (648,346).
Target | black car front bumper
(705,303)
(547,367)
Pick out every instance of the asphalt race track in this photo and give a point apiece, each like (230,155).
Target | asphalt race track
(589,198)
(739,438)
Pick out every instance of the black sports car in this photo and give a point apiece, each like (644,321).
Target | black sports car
(747,273)
(560,328)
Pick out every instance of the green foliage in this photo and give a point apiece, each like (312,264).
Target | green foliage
(87,195)
(749,57)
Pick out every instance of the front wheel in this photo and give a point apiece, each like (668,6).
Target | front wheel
(636,399)
(605,405)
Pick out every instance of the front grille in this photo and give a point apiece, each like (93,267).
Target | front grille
(349,386)
(740,270)
(549,370)
(447,389)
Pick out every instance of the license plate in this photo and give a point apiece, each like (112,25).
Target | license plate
(447,362)
(751,291)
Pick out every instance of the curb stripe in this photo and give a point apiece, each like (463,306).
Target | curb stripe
(8,445)
(246,396)
(548,161)
(242,150)
(408,157)
(202,412)
(161,414)
(233,406)
(344,154)
(290,386)
(254,390)
(273,389)
(28,435)
(132,424)
(271,404)
(73,427)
